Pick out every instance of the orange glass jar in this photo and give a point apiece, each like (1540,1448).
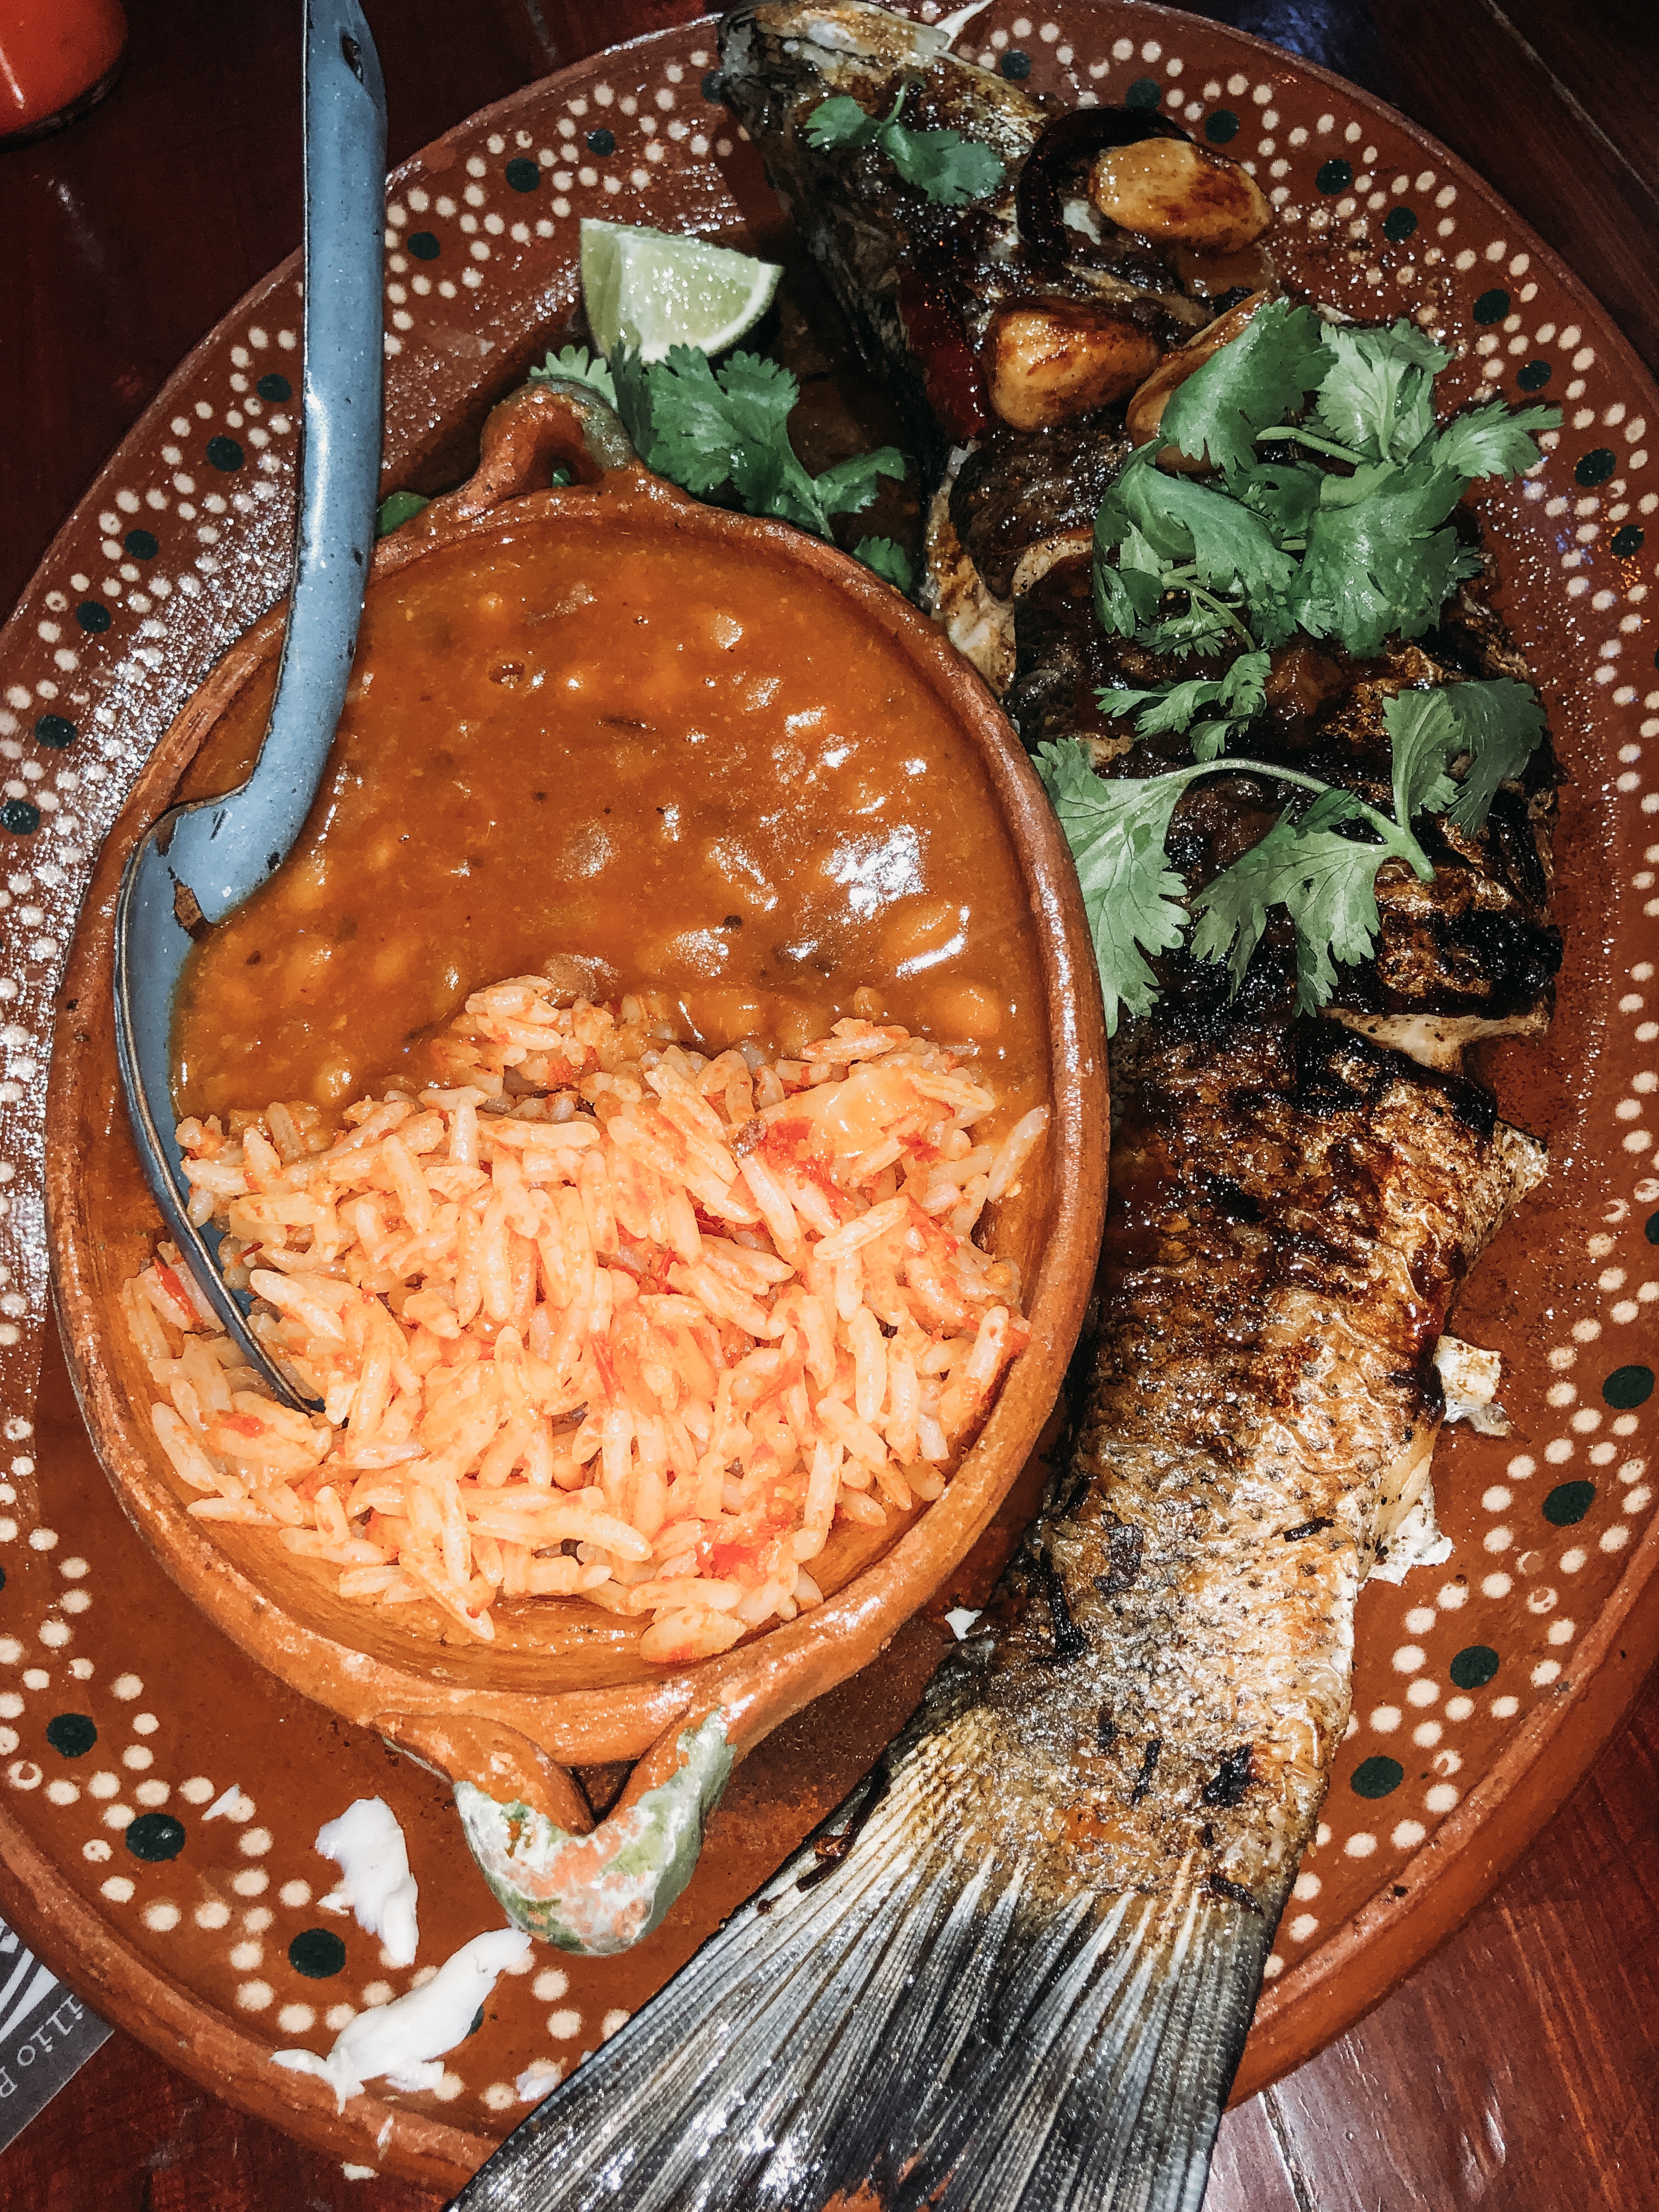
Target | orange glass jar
(57,57)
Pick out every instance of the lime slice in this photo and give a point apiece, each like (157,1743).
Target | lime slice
(657,289)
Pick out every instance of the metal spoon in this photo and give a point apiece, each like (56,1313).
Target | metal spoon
(200,862)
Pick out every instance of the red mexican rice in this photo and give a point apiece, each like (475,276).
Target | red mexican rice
(598,1316)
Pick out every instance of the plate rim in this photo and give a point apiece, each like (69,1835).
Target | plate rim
(1477,1843)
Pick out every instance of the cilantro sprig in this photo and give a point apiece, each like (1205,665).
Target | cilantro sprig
(1356,553)
(1350,541)
(705,429)
(1324,879)
(1236,697)
(711,429)
(950,169)
(1116,829)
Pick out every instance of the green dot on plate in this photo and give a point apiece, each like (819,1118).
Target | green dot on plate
(1221,126)
(224,453)
(1473,1667)
(156,1837)
(92,618)
(72,1734)
(1015,65)
(274,387)
(424,245)
(523,175)
(142,544)
(1377,1776)
(1335,176)
(477,2021)
(1652,1230)
(1398,223)
(1628,1386)
(1533,376)
(1145,92)
(56,731)
(1596,465)
(602,142)
(1569,1502)
(316,1952)
(20,817)
(1491,306)
(1627,540)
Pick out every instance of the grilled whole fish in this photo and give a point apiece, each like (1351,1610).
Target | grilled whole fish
(1015,1972)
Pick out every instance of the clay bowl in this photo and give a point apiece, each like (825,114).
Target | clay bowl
(564,1684)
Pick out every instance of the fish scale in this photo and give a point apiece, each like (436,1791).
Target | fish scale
(1015,1971)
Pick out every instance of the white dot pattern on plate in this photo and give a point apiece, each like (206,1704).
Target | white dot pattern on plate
(183,538)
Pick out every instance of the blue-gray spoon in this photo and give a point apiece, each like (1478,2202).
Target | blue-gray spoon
(200,862)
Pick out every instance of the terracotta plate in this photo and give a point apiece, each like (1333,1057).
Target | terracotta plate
(1484,1687)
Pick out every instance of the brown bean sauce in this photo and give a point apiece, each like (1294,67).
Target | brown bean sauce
(651,758)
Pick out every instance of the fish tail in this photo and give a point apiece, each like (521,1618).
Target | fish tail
(901,2019)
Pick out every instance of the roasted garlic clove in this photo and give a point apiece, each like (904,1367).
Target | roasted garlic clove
(1146,409)
(1167,188)
(1047,361)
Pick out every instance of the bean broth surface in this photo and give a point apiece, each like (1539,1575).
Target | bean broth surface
(711,778)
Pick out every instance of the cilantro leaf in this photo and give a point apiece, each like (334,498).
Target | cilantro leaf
(1378,397)
(704,428)
(396,509)
(1493,441)
(1116,831)
(1494,727)
(1377,561)
(1184,523)
(1498,724)
(950,169)
(1256,379)
(1325,881)
(697,434)
(1418,729)
(848,487)
(631,381)
(1126,593)
(843,122)
(1240,693)
(575,365)
(888,560)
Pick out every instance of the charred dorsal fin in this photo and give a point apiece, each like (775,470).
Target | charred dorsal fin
(913,2028)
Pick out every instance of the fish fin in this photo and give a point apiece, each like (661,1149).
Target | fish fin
(899,2020)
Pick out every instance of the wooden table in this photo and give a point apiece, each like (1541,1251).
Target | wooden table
(1516,2069)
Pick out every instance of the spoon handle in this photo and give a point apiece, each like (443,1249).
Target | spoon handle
(344,109)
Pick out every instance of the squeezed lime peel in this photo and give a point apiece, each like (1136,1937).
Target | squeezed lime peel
(600,1893)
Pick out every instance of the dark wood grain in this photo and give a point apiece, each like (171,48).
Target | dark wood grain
(1516,2070)
(1510,89)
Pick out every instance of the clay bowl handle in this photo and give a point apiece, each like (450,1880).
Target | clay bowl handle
(549,423)
(555,1874)
(600,1889)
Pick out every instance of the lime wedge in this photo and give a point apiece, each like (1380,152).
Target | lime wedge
(657,289)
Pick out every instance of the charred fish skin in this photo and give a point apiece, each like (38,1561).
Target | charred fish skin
(1292,1211)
